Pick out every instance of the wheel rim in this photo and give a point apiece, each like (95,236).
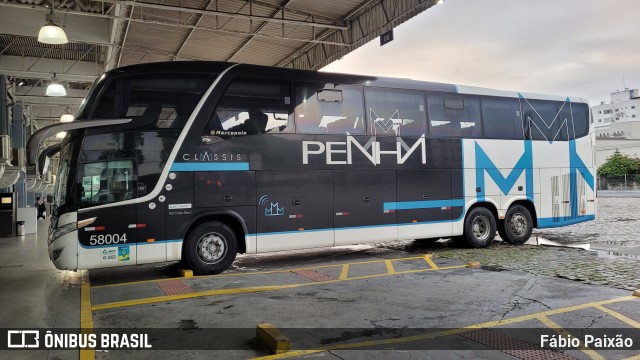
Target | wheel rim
(519,224)
(212,247)
(481,228)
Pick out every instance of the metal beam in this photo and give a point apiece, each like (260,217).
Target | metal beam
(26,20)
(43,68)
(370,17)
(264,24)
(182,9)
(50,100)
(184,42)
(179,25)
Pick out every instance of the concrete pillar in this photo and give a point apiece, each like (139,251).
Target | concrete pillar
(4,112)
(19,141)
(4,119)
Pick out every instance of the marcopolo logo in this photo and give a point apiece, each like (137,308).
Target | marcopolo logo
(23,339)
(341,152)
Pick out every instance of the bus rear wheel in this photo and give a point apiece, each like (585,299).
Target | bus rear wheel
(211,248)
(480,227)
(517,225)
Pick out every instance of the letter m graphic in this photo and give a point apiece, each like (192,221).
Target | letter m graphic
(484,164)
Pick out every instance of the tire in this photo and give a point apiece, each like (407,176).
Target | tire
(211,248)
(480,228)
(518,225)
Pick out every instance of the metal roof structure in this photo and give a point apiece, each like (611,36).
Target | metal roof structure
(302,34)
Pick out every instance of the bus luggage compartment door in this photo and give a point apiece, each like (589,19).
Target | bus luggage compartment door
(294,210)
(424,204)
(359,198)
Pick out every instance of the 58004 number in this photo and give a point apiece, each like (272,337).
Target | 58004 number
(108,239)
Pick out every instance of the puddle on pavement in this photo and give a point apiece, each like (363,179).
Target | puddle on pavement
(606,253)
(537,240)
(615,254)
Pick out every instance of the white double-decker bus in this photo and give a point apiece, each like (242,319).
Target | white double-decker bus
(199,161)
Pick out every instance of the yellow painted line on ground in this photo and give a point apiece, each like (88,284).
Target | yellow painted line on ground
(619,316)
(389,266)
(86,319)
(434,335)
(635,357)
(156,299)
(255,272)
(344,273)
(430,262)
(561,331)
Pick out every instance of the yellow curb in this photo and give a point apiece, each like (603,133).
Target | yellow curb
(272,339)
(186,273)
(429,255)
(473,265)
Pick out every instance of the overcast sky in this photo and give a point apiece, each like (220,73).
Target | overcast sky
(564,47)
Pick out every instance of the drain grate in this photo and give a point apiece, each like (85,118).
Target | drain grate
(2,267)
(174,287)
(514,347)
(314,275)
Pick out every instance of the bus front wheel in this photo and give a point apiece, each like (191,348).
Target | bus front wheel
(517,225)
(480,227)
(211,248)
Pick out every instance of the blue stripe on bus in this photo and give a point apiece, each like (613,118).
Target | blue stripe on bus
(213,166)
(425,204)
(550,223)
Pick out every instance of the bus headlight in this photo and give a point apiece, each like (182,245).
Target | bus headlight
(63,230)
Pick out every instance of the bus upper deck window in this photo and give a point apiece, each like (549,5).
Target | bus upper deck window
(329,109)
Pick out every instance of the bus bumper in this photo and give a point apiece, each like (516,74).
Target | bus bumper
(63,252)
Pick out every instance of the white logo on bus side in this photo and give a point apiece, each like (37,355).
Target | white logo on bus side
(341,152)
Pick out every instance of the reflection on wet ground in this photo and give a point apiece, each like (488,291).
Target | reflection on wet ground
(614,233)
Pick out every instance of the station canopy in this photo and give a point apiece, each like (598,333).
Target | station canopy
(102,35)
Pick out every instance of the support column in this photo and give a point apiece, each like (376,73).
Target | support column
(18,140)
(4,119)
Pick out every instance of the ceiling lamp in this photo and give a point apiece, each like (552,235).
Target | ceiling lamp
(51,32)
(66,117)
(55,88)
(61,135)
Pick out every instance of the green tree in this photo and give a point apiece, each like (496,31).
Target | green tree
(618,165)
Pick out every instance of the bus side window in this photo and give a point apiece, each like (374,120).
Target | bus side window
(329,109)
(501,118)
(395,112)
(454,116)
(547,120)
(251,106)
(580,114)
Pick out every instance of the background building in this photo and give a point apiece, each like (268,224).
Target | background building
(619,118)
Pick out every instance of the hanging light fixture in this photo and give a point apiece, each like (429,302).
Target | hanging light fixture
(51,32)
(67,116)
(55,88)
